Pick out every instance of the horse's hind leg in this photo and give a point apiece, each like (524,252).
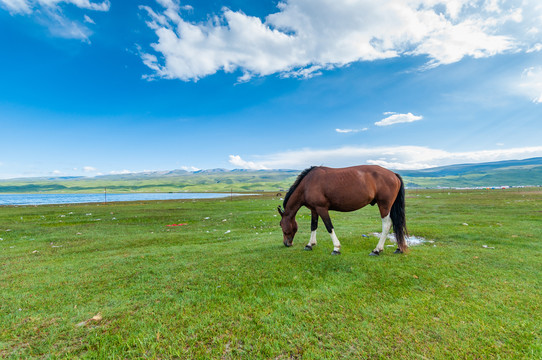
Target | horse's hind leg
(384,207)
(314,226)
(386,225)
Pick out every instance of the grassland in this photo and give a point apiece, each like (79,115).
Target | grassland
(207,181)
(113,281)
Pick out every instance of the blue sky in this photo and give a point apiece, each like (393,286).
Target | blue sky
(104,87)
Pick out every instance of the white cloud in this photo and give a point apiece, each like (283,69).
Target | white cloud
(238,162)
(535,48)
(88,19)
(16,6)
(190,168)
(305,37)
(121,172)
(89,169)
(27,6)
(50,13)
(397,119)
(396,157)
(449,43)
(346,131)
(531,83)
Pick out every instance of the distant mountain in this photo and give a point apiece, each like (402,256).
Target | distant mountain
(527,172)
(211,171)
(463,169)
(512,173)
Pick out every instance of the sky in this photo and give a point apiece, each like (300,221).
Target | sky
(91,87)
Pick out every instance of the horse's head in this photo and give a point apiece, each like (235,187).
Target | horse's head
(289,227)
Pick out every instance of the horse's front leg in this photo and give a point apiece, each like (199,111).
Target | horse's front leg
(324,214)
(386,225)
(314,226)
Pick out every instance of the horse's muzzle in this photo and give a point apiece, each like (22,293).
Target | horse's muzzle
(287,242)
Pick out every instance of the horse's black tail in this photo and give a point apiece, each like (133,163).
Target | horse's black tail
(398,217)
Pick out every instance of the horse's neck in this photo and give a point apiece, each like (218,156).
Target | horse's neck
(294,203)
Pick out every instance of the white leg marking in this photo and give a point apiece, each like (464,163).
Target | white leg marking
(336,243)
(312,241)
(386,225)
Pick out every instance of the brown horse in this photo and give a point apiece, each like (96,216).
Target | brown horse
(321,189)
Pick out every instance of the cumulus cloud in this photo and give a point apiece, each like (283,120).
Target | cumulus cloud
(50,13)
(240,163)
(88,169)
(397,119)
(399,157)
(305,37)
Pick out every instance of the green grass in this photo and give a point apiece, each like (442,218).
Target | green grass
(224,286)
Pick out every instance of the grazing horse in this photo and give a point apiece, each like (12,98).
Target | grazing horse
(321,189)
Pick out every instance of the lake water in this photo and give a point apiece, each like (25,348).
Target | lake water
(49,199)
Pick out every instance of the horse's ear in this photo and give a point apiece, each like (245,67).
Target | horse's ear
(281,212)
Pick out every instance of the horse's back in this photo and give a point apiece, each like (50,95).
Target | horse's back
(350,188)
(365,174)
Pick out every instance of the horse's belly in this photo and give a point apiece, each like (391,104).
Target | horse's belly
(351,203)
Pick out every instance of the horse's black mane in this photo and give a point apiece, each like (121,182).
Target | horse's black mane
(296,184)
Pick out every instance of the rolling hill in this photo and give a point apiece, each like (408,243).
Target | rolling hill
(526,172)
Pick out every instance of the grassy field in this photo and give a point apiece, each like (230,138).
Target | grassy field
(237,181)
(113,281)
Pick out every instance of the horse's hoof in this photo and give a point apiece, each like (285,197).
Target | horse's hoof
(374,253)
(308,247)
(398,251)
(335,252)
